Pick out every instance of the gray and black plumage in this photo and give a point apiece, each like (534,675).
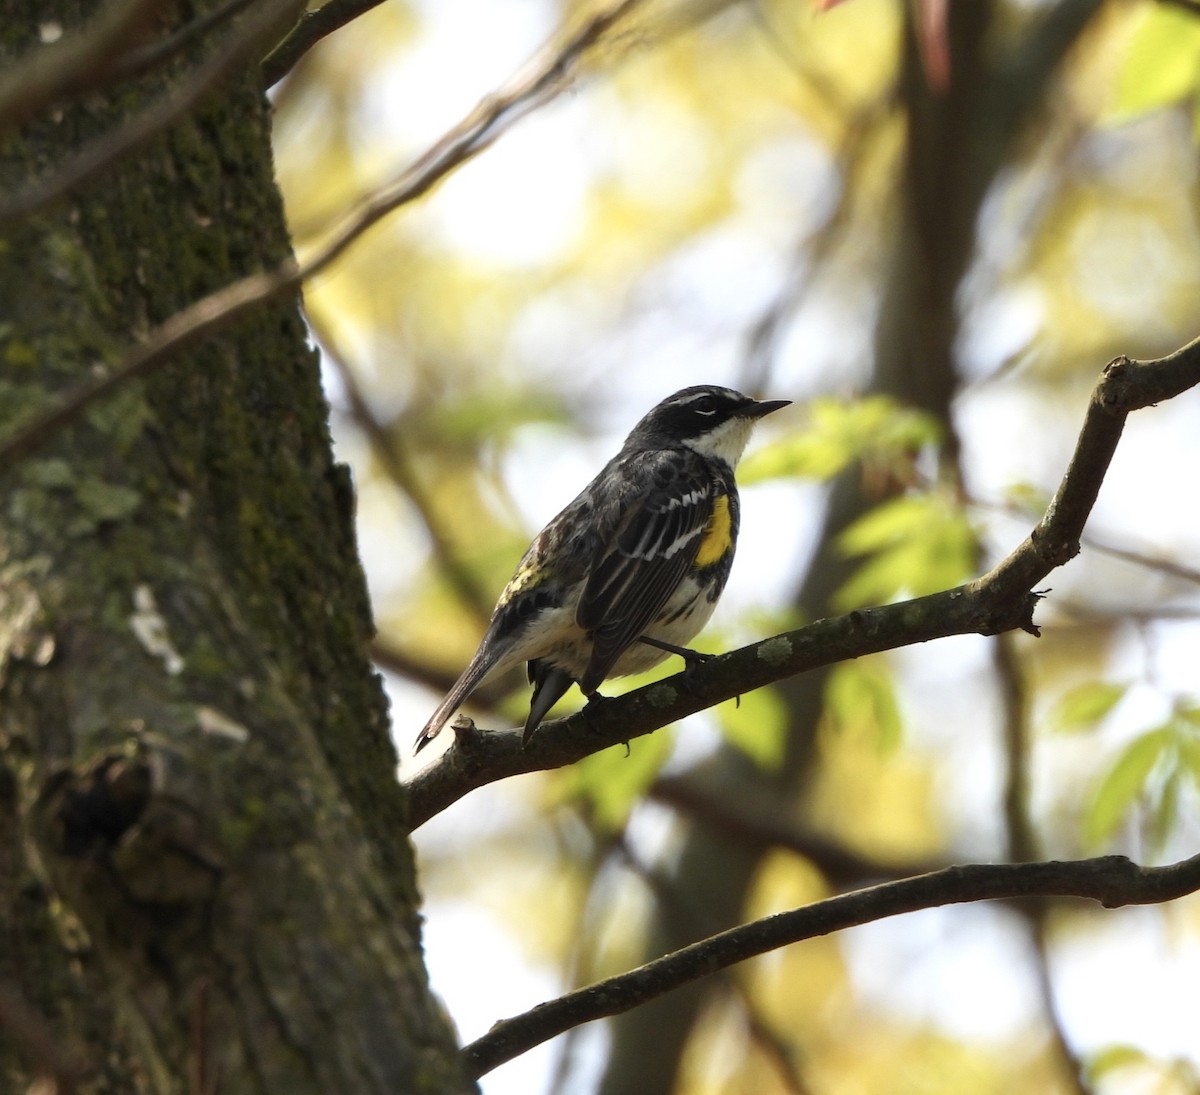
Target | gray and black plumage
(631,570)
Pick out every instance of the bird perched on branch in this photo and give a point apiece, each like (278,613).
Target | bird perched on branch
(631,570)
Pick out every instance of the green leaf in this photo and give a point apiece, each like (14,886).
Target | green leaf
(756,726)
(798,456)
(918,543)
(1028,497)
(888,524)
(839,432)
(1124,783)
(612,780)
(1085,706)
(1162,64)
(860,698)
(1187,715)
(1188,751)
(1166,811)
(1114,1057)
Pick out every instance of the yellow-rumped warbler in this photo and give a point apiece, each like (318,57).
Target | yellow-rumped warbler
(629,571)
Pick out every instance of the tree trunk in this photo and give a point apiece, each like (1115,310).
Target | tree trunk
(205,878)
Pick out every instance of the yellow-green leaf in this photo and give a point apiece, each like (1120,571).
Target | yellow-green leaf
(756,726)
(860,698)
(1166,811)
(839,432)
(1083,707)
(918,544)
(612,780)
(1124,783)
(1114,1057)
(1162,64)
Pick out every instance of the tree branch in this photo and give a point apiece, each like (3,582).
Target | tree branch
(308,31)
(1113,880)
(1001,600)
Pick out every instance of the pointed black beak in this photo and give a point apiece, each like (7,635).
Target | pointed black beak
(762,407)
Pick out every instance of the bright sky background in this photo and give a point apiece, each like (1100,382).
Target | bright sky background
(1131,978)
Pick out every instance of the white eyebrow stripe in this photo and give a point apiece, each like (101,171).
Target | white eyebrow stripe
(702,395)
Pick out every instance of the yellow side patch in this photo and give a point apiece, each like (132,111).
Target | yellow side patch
(717,534)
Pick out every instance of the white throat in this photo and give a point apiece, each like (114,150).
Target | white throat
(727,442)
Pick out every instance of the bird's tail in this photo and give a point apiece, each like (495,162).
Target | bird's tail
(550,684)
(476,670)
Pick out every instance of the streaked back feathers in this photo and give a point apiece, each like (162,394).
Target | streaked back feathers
(636,561)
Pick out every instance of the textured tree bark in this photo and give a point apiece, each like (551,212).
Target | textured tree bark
(205,879)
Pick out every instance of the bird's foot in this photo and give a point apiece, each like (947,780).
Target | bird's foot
(692,659)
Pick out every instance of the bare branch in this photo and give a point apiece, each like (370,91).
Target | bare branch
(246,39)
(1171,568)
(1001,600)
(216,311)
(76,62)
(312,27)
(1114,881)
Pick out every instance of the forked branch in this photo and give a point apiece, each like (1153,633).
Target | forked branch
(1001,600)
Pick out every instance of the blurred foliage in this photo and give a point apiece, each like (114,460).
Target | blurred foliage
(613,781)
(1162,65)
(756,724)
(1155,767)
(873,431)
(860,699)
(716,198)
(1083,707)
(915,544)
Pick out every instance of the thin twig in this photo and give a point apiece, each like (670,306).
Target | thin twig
(1001,600)
(1114,881)
(1103,545)
(216,311)
(229,59)
(308,31)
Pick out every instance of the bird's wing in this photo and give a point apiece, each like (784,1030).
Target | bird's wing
(635,572)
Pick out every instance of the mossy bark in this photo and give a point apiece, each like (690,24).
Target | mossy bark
(205,879)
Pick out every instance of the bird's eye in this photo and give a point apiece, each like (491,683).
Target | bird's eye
(705,405)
